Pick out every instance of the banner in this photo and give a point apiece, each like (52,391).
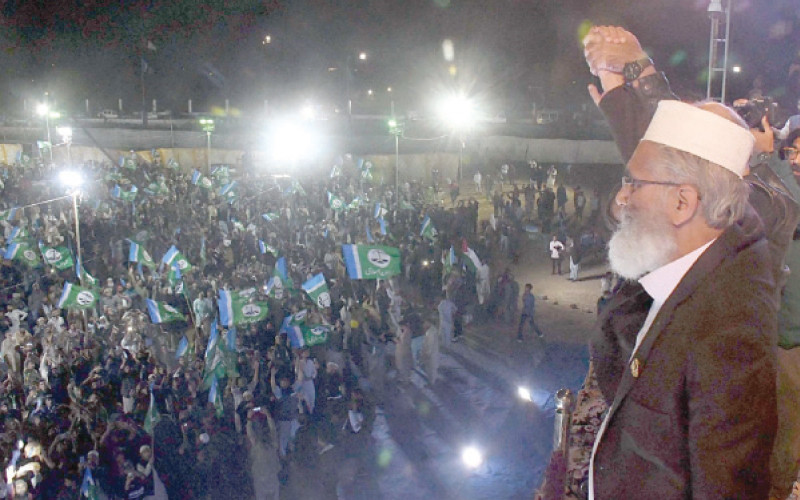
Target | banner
(371,261)
(173,255)
(22,252)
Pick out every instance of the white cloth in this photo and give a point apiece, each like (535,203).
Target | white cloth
(659,284)
(556,247)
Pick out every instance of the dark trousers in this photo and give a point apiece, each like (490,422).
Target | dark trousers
(556,265)
(527,319)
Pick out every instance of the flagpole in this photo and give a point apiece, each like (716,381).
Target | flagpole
(78,249)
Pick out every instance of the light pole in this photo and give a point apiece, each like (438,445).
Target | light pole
(396,129)
(718,13)
(348,68)
(208,127)
(44,110)
(73,181)
(66,136)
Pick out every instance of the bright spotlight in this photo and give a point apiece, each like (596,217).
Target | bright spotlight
(362,56)
(737,69)
(42,109)
(472,457)
(293,141)
(65,133)
(307,112)
(524,393)
(71,178)
(458,111)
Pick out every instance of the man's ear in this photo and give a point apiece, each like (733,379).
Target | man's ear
(683,204)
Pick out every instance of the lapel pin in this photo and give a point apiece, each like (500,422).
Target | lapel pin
(636,366)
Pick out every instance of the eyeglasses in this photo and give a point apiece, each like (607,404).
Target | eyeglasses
(790,153)
(635,183)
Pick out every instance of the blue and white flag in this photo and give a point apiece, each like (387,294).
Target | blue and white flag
(370,239)
(183,346)
(116,191)
(262,247)
(379,211)
(271,216)
(382,222)
(280,266)
(212,338)
(427,230)
(317,290)
(226,308)
(161,312)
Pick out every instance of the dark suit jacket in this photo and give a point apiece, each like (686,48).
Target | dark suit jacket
(694,416)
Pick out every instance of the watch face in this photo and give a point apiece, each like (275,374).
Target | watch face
(631,71)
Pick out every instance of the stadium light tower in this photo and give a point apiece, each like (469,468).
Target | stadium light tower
(43,110)
(208,126)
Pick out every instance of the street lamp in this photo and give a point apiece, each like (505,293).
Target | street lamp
(396,128)
(472,457)
(458,113)
(44,110)
(208,126)
(66,137)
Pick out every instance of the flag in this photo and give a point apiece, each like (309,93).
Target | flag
(301,335)
(203,257)
(138,254)
(58,257)
(229,192)
(297,188)
(9,214)
(173,255)
(161,312)
(75,297)
(353,205)
(336,171)
(201,180)
(379,211)
(271,216)
(172,164)
(22,252)
(472,261)
(335,202)
(237,310)
(127,162)
(370,239)
(317,290)
(183,347)
(152,417)
(266,247)
(371,261)
(84,276)
(117,192)
(449,260)
(88,486)
(215,396)
(382,222)
(404,205)
(214,358)
(427,230)
(18,234)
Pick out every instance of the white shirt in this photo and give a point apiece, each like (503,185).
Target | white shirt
(555,249)
(659,284)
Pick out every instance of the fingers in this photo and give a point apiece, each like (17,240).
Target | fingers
(765,122)
(594,93)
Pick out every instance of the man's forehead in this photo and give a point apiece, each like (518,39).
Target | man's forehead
(643,157)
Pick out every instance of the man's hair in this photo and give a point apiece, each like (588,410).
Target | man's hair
(791,138)
(723,196)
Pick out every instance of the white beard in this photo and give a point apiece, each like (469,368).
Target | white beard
(642,243)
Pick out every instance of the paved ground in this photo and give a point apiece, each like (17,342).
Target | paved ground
(420,429)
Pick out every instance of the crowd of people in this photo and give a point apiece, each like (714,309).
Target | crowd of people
(108,401)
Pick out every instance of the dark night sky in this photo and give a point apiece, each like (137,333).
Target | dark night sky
(508,52)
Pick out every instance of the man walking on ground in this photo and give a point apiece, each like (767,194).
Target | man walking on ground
(556,247)
(528,308)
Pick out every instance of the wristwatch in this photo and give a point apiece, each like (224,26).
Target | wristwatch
(632,70)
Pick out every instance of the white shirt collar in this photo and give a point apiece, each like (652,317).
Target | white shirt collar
(661,282)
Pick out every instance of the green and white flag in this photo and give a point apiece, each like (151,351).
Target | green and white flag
(174,256)
(235,309)
(427,230)
(9,215)
(161,312)
(58,257)
(128,163)
(152,417)
(335,202)
(19,234)
(201,180)
(138,254)
(174,165)
(22,252)
(75,297)
(370,262)
(317,290)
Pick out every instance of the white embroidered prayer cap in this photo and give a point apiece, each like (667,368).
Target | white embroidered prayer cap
(688,128)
